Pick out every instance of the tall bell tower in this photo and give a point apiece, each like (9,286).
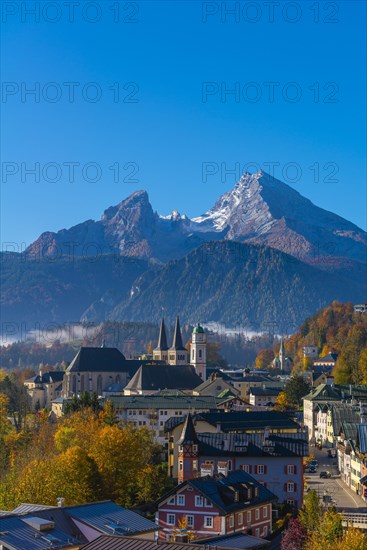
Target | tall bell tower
(198,351)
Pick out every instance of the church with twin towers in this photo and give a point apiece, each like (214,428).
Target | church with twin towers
(177,354)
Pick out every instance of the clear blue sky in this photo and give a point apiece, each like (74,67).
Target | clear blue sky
(169,52)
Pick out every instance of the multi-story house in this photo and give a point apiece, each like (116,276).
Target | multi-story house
(312,402)
(264,396)
(44,388)
(229,422)
(217,505)
(155,410)
(275,460)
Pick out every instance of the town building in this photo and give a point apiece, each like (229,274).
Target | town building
(153,411)
(215,385)
(281,361)
(322,399)
(275,460)
(94,369)
(328,360)
(36,527)
(43,388)
(312,402)
(264,396)
(217,505)
(310,351)
(150,379)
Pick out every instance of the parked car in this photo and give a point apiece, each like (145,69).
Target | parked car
(327,498)
(311,469)
(314,463)
(325,474)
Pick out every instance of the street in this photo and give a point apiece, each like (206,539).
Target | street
(343,498)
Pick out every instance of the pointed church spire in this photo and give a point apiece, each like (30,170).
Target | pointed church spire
(188,435)
(177,338)
(162,339)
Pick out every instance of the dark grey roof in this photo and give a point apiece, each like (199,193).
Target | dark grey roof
(109,518)
(239,421)
(229,444)
(177,338)
(162,340)
(98,360)
(221,491)
(48,377)
(16,534)
(342,413)
(105,360)
(188,435)
(323,392)
(349,429)
(159,377)
(26,508)
(240,541)
(252,378)
(265,391)
(362,438)
(163,401)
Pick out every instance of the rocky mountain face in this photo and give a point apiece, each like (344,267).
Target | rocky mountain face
(262,255)
(129,229)
(263,210)
(259,209)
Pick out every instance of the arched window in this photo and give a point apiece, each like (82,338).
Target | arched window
(193,354)
(74,384)
(82,385)
(200,353)
(99,384)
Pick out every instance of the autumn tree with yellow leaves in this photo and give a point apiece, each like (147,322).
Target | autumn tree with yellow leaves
(84,457)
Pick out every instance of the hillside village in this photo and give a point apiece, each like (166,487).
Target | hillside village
(237,448)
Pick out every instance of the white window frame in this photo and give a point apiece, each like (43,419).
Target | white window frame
(290,484)
(248,517)
(290,469)
(246,468)
(261,469)
(265,512)
(170,515)
(265,531)
(172,500)
(199,499)
(257,532)
(180,500)
(208,503)
(240,518)
(231,521)
(210,520)
(190,521)
(257,513)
